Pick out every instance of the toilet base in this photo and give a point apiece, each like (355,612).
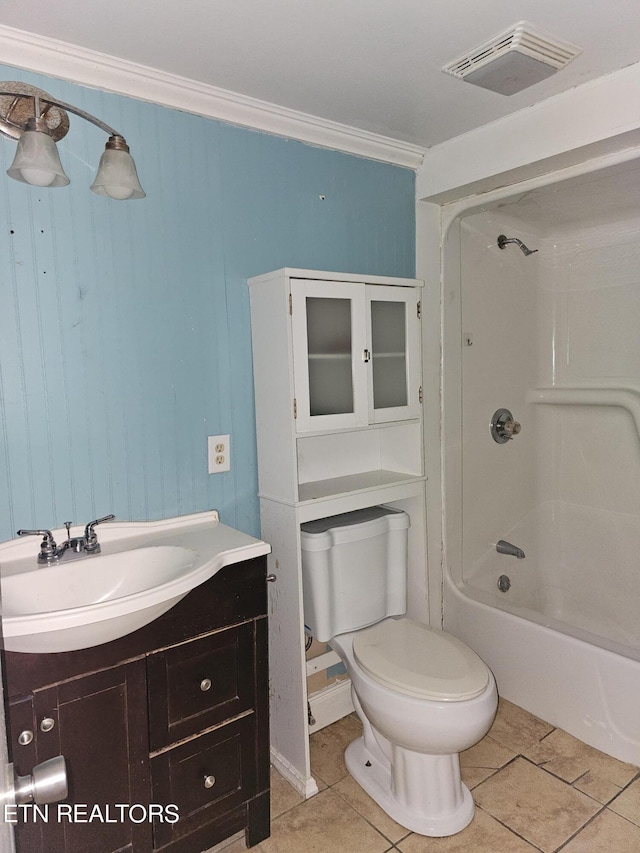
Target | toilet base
(442,804)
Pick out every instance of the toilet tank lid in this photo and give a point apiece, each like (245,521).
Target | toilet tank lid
(351,526)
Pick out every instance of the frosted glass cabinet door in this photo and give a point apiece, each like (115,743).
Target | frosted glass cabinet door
(329,343)
(393,329)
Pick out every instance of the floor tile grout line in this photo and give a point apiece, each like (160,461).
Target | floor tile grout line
(577,779)
(624,817)
(582,776)
(603,806)
(531,761)
(628,785)
(578,831)
(548,734)
(496,771)
(566,781)
(377,829)
(508,828)
(355,811)
(586,773)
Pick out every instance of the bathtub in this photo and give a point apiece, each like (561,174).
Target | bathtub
(552,647)
(553,337)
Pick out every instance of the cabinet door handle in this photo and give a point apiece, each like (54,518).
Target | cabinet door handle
(366,356)
(271,578)
(209,781)
(25,737)
(205,684)
(47,724)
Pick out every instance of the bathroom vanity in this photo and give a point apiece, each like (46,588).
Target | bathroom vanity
(171,718)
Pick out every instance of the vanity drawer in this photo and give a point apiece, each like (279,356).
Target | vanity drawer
(206,778)
(200,684)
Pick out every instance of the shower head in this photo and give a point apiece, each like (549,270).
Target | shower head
(502,242)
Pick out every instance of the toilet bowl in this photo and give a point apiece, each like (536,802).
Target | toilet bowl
(421,694)
(407,758)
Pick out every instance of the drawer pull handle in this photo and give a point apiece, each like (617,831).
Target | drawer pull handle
(209,781)
(205,684)
(47,724)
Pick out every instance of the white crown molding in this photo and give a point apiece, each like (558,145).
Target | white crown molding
(109,73)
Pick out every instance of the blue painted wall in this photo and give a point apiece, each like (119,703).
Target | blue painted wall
(124,326)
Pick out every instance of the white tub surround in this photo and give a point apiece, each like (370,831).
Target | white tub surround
(553,338)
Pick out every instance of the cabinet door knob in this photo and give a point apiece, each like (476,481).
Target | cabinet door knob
(272,578)
(25,737)
(47,724)
(205,684)
(209,781)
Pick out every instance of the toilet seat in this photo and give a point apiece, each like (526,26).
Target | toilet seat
(420,661)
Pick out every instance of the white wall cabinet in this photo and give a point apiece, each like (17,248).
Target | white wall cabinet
(356,354)
(337,373)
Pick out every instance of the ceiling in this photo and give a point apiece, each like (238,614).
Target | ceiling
(369,64)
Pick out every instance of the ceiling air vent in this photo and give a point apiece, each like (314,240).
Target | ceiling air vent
(517,58)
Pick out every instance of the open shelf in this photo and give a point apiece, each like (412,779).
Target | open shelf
(353,483)
(337,463)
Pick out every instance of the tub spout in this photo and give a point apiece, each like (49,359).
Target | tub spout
(503,547)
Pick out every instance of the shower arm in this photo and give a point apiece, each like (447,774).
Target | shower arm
(503,241)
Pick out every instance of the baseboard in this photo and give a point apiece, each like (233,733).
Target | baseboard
(331,704)
(327,706)
(306,787)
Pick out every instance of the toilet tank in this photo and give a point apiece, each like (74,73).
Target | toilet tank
(354,570)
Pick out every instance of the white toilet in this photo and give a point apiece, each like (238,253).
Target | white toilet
(422,695)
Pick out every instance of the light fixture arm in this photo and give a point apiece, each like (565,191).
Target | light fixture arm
(65,106)
(82,114)
(37,161)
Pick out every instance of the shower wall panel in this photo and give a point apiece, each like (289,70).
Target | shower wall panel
(500,361)
(591,453)
(567,489)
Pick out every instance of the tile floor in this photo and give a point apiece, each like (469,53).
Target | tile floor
(536,788)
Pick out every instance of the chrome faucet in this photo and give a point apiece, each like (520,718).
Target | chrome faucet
(48,548)
(91,544)
(50,552)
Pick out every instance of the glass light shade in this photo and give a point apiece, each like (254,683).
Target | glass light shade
(117,176)
(37,161)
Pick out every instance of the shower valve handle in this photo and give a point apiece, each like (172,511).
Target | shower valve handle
(503,426)
(511,428)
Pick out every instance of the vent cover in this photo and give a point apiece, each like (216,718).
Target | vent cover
(515,59)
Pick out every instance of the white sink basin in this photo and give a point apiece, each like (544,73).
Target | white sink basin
(145,569)
(92,600)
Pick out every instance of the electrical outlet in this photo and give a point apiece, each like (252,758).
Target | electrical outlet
(219,453)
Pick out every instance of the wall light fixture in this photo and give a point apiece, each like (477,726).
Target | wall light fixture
(38,121)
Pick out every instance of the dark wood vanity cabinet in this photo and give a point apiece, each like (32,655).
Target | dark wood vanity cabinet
(92,720)
(169,721)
